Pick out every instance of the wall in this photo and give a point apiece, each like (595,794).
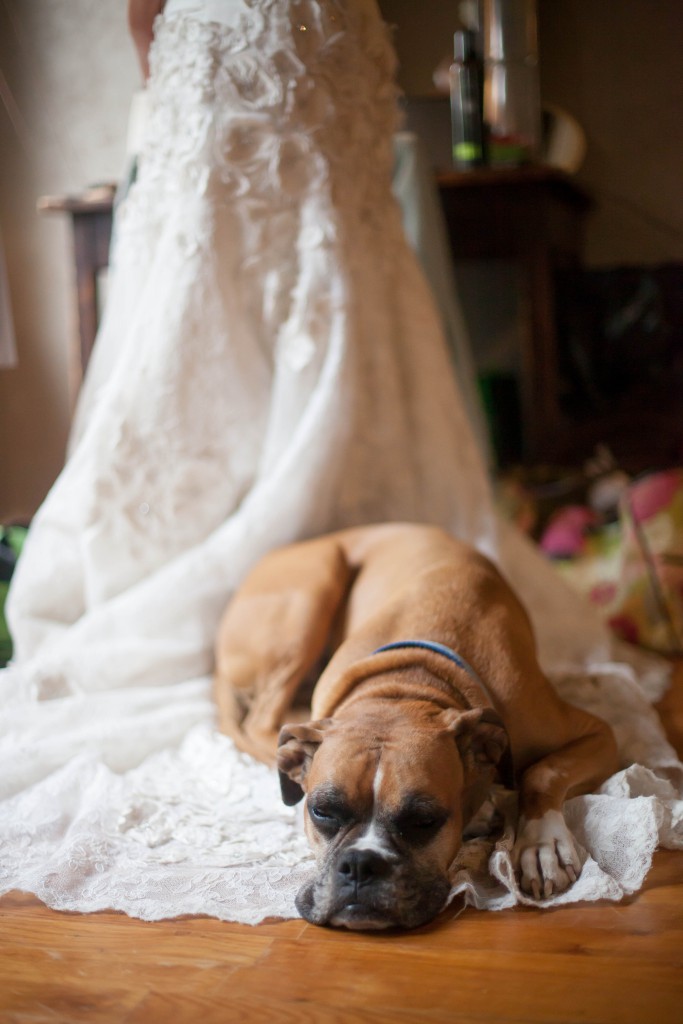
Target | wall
(617,68)
(423,35)
(67,72)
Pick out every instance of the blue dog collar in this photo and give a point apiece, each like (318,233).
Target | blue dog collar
(446,652)
(506,768)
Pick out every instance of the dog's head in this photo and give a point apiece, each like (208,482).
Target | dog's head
(387,797)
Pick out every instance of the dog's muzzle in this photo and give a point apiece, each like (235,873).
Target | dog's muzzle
(358,875)
(364,890)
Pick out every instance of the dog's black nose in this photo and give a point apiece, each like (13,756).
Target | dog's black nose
(358,867)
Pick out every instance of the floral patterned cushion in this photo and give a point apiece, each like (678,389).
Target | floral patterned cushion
(631,570)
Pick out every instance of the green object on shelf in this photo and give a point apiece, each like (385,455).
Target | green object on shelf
(500,397)
(11,543)
(5,639)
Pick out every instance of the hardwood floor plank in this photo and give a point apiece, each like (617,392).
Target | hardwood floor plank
(509,986)
(258,1009)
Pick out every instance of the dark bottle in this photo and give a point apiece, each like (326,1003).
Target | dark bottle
(466,77)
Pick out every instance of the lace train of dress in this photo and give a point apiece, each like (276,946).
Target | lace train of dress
(270,366)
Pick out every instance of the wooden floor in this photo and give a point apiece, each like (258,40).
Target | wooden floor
(617,963)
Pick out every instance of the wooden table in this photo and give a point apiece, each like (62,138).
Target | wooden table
(91,222)
(533,215)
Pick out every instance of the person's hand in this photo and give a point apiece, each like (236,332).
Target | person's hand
(141,15)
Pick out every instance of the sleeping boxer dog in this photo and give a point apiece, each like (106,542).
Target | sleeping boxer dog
(430,693)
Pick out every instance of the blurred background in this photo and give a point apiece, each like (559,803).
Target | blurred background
(67,76)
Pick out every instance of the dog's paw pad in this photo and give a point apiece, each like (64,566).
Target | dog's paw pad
(545,856)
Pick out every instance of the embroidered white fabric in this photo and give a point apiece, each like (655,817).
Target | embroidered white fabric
(270,366)
(201,829)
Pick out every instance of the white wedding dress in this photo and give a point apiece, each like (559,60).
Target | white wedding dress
(270,366)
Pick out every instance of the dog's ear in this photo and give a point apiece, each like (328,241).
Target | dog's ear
(482,741)
(296,746)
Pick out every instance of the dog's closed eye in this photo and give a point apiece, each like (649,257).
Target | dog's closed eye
(417,824)
(417,831)
(328,815)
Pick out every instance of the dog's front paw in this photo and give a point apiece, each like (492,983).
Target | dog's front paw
(545,856)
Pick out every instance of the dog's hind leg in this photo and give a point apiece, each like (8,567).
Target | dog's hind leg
(273,634)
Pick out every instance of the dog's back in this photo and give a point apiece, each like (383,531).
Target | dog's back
(341,596)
